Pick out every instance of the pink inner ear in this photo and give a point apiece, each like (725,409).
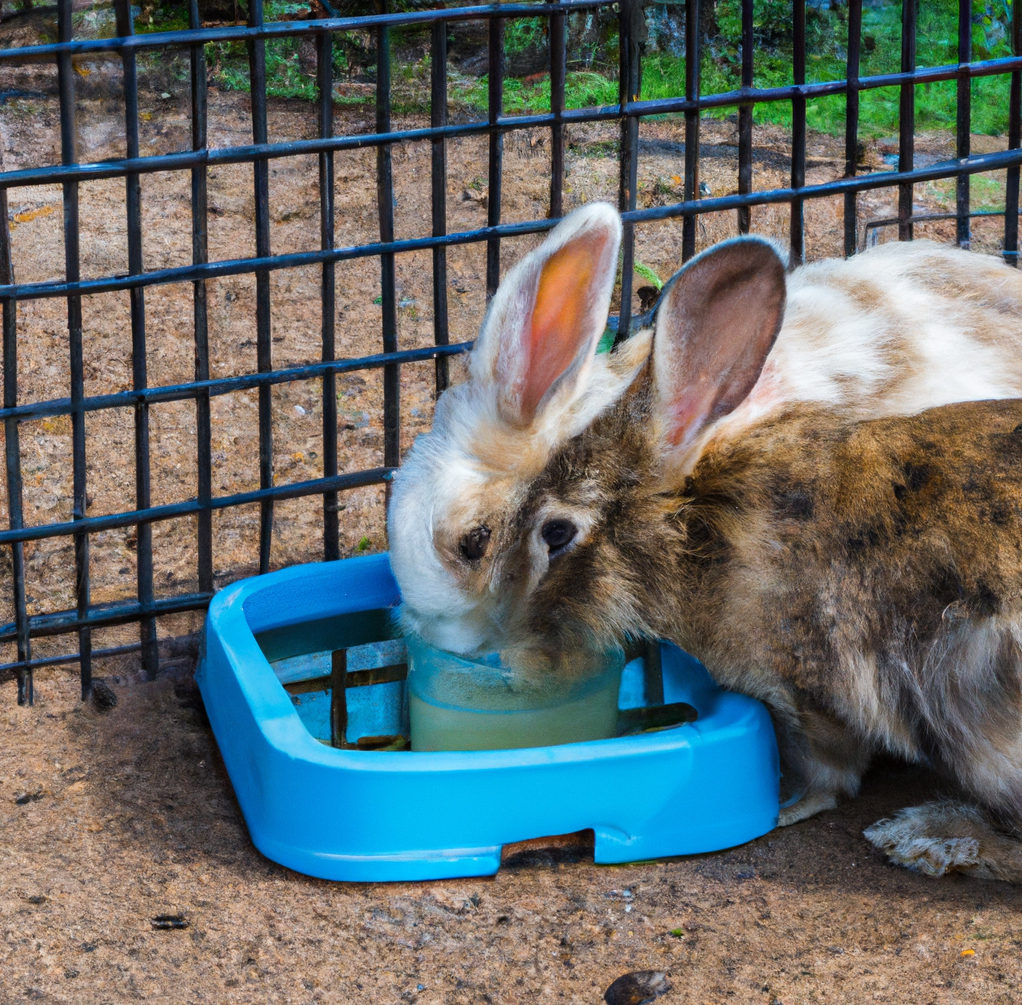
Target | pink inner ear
(715,333)
(562,308)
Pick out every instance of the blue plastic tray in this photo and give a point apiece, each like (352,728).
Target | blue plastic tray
(368,816)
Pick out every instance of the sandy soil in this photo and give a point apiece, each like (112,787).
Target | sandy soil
(111,820)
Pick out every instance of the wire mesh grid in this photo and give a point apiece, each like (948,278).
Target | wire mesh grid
(201,158)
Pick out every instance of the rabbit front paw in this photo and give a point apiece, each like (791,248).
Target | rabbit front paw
(808,806)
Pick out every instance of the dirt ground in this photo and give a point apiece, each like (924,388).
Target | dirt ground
(112,820)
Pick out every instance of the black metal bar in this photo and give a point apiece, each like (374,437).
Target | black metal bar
(355,678)
(688,232)
(745,119)
(170,511)
(797,224)
(907,116)
(139,370)
(12,457)
(558,76)
(200,256)
(852,121)
(438,119)
(68,155)
(227,385)
(328,292)
(56,661)
(237,267)
(653,673)
(629,89)
(388,283)
(660,106)
(973,165)
(183,38)
(264,345)
(495,106)
(931,217)
(187,38)
(1014,141)
(104,616)
(963,120)
(338,697)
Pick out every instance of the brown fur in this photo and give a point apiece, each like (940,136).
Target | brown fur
(864,579)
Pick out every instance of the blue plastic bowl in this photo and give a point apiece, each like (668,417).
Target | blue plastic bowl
(368,816)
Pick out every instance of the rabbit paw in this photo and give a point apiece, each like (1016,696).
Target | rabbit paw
(938,838)
(808,806)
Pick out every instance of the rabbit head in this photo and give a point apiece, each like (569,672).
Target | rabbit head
(517,513)
(534,381)
(622,482)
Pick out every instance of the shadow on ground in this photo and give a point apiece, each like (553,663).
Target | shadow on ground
(111,820)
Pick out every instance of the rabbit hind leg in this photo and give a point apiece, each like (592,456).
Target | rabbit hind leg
(978,720)
(942,837)
(821,761)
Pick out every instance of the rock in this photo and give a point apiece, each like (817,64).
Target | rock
(637,988)
(103,695)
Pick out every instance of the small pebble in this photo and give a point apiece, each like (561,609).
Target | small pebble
(169,921)
(637,988)
(299,409)
(103,695)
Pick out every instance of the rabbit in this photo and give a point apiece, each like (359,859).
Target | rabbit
(744,482)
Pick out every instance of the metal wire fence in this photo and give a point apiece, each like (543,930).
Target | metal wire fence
(200,158)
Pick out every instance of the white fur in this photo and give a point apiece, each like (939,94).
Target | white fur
(914,349)
(474,452)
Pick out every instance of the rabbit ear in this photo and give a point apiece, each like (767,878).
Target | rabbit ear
(714,331)
(548,315)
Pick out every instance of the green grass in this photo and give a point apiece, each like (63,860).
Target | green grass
(228,61)
(664,74)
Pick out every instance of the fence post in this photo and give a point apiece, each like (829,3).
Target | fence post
(631,22)
(438,120)
(139,368)
(12,448)
(852,122)
(200,256)
(964,119)
(1014,141)
(328,307)
(745,119)
(495,107)
(907,117)
(558,75)
(797,225)
(72,273)
(688,231)
(388,282)
(264,344)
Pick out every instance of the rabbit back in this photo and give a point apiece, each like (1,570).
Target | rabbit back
(866,580)
(895,330)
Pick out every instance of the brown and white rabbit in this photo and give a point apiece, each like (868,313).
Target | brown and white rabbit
(860,575)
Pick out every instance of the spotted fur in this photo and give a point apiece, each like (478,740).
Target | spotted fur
(778,510)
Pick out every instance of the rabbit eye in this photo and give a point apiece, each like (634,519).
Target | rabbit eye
(558,534)
(474,543)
